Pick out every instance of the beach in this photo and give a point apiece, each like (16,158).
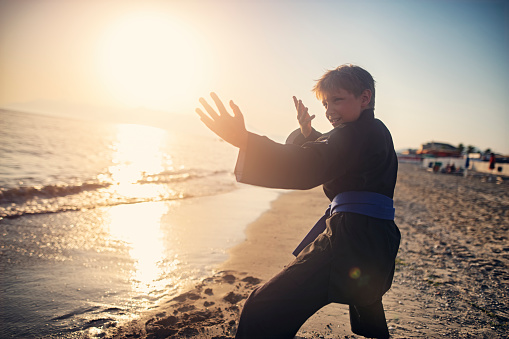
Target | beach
(451,277)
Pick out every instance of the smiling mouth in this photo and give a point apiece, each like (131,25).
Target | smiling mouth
(335,121)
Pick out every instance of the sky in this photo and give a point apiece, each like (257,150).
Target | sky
(441,67)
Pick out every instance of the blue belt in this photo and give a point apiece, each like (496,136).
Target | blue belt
(367,203)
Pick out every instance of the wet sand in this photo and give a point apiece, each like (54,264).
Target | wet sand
(452,278)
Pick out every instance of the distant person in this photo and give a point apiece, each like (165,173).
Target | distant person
(451,169)
(492,166)
(492,161)
(467,165)
(349,256)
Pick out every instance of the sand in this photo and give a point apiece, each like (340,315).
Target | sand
(451,281)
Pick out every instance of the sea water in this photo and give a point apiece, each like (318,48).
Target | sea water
(99,221)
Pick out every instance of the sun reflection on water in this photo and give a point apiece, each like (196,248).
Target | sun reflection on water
(139,226)
(138,153)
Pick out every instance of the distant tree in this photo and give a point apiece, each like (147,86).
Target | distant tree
(487,151)
(460,148)
(470,149)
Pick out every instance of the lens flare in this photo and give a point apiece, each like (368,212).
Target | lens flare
(355,273)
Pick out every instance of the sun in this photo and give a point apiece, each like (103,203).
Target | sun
(149,59)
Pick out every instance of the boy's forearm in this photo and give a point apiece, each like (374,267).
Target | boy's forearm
(242,140)
(267,163)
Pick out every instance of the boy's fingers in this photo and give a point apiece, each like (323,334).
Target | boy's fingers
(201,114)
(219,104)
(236,109)
(303,114)
(209,109)
(298,105)
(300,109)
(204,117)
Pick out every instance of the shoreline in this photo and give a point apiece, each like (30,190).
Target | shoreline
(451,271)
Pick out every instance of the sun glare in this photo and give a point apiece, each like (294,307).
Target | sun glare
(149,59)
(140,227)
(137,153)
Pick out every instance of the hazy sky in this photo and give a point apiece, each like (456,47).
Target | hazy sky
(442,67)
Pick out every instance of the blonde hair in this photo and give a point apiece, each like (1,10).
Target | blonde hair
(348,77)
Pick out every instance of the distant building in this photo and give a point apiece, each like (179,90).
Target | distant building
(409,155)
(408,151)
(438,149)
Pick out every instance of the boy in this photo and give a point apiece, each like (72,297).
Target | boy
(350,257)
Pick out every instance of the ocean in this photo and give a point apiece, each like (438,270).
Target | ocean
(100,221)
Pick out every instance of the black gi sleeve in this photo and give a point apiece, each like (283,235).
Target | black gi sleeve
(270,164)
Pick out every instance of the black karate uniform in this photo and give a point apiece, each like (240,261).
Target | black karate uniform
(352,261)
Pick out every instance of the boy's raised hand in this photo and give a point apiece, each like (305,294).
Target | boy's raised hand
(229,128)
(303,117)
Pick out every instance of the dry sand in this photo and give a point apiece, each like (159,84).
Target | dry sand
(451,280)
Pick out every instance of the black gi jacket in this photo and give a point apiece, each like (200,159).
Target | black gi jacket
(357,156)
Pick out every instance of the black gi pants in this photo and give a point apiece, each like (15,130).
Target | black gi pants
(352,263)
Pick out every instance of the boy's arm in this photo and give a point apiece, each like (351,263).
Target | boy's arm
(266,163)
(233,130)
(270,164)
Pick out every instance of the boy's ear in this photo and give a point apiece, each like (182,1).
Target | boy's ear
(365,97)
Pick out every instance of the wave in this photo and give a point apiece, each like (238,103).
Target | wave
(177,176)
(25,193)
(38,210)
(34,200)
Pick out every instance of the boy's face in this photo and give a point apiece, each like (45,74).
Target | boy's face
(342,106)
